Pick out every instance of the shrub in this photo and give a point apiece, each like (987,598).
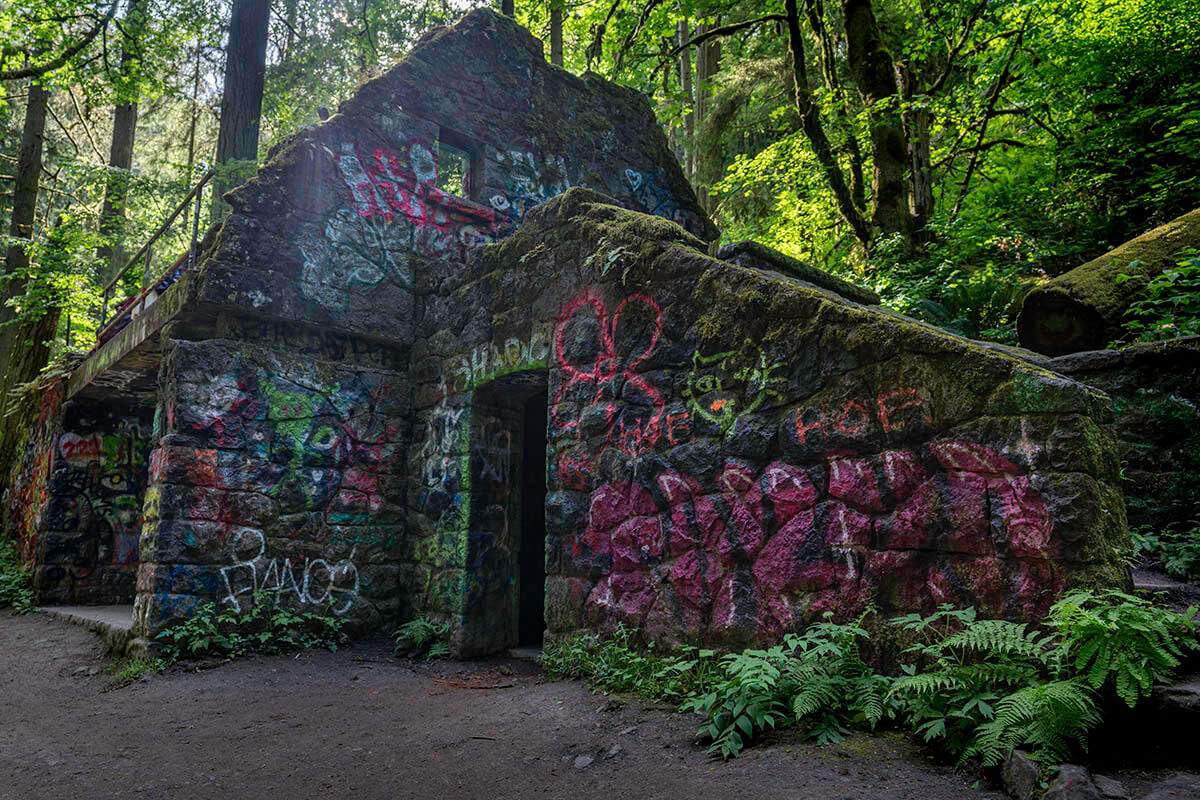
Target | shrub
(1124,643)
(1177,551)
(15,590)
(975,688)
(962,668)
(613,664)
(817,677)
(262,625)
(1169,305)
(423,636)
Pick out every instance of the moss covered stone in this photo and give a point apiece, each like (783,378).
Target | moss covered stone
(1084,308)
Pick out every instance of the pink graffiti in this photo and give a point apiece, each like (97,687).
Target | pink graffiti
(593,379)
(760,549)
(387,185)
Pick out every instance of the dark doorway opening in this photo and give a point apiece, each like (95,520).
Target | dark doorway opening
(506,537)
(532,592)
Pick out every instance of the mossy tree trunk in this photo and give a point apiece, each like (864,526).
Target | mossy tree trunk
(241,100)
(23,348)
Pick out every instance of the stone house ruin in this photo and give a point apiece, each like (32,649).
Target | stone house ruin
(529,399)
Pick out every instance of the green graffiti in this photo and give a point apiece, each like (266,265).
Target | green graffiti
(724,386)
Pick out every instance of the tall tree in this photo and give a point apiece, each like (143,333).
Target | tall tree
(241,102)
(556,32)
(20,361)
(120,158)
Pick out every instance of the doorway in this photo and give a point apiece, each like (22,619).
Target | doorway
(532,586)
(506,551)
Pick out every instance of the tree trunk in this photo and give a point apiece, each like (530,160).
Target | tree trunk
(120,154)
(917,123)
(24,207)
(241,100)
(290,16)
(194,116)
(699,100)
(556,33)
(116,187)
(507,8)
(19,362)
(814,131)
(685,82)
(1085,308)
(874,73)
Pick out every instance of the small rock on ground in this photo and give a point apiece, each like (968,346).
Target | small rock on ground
(1110,788)
(1072,783)
(1177,787)
(1020,774)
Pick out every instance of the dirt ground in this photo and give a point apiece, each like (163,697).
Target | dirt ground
(360,723)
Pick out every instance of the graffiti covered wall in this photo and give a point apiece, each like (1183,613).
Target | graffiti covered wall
(28,485)
(282,459)
(733,454)
(275,472)
(86,545)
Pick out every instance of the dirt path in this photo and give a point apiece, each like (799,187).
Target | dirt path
(356,723)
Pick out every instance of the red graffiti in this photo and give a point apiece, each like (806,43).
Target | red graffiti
(599,358)
(385,184)
(574,472)
(893,411)
(77,448)
(679,428)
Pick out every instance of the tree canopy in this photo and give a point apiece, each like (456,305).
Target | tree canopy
(950,155)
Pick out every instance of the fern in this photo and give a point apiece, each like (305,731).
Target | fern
(1047,717)
(423,636)
(1123,642)
(818,676)
(963,667)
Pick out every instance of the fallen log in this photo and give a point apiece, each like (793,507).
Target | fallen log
(1083,309)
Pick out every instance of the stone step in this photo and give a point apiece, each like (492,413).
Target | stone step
(533,654)
(114,624)
(1177,594)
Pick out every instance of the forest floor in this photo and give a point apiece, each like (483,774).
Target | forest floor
(362,723)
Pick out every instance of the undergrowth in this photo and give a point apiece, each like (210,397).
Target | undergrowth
(130,669)
(1177,551)
(260,625)
(15,590)
(613,664)
(423,636)
(971,688)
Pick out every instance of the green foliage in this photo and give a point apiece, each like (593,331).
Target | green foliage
(1169,305)
(614,664)
(817,677)
(131,669)
(974,688)
(1177,551)
(1050,718)
(261,625)
(1124,643)
(15,590)
(423,636)
(961,668)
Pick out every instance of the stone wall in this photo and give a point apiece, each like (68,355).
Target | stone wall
(88,538)
(276,472)
(75,496)
(27,491)
(1155,391)
(733,453)
(284,392)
